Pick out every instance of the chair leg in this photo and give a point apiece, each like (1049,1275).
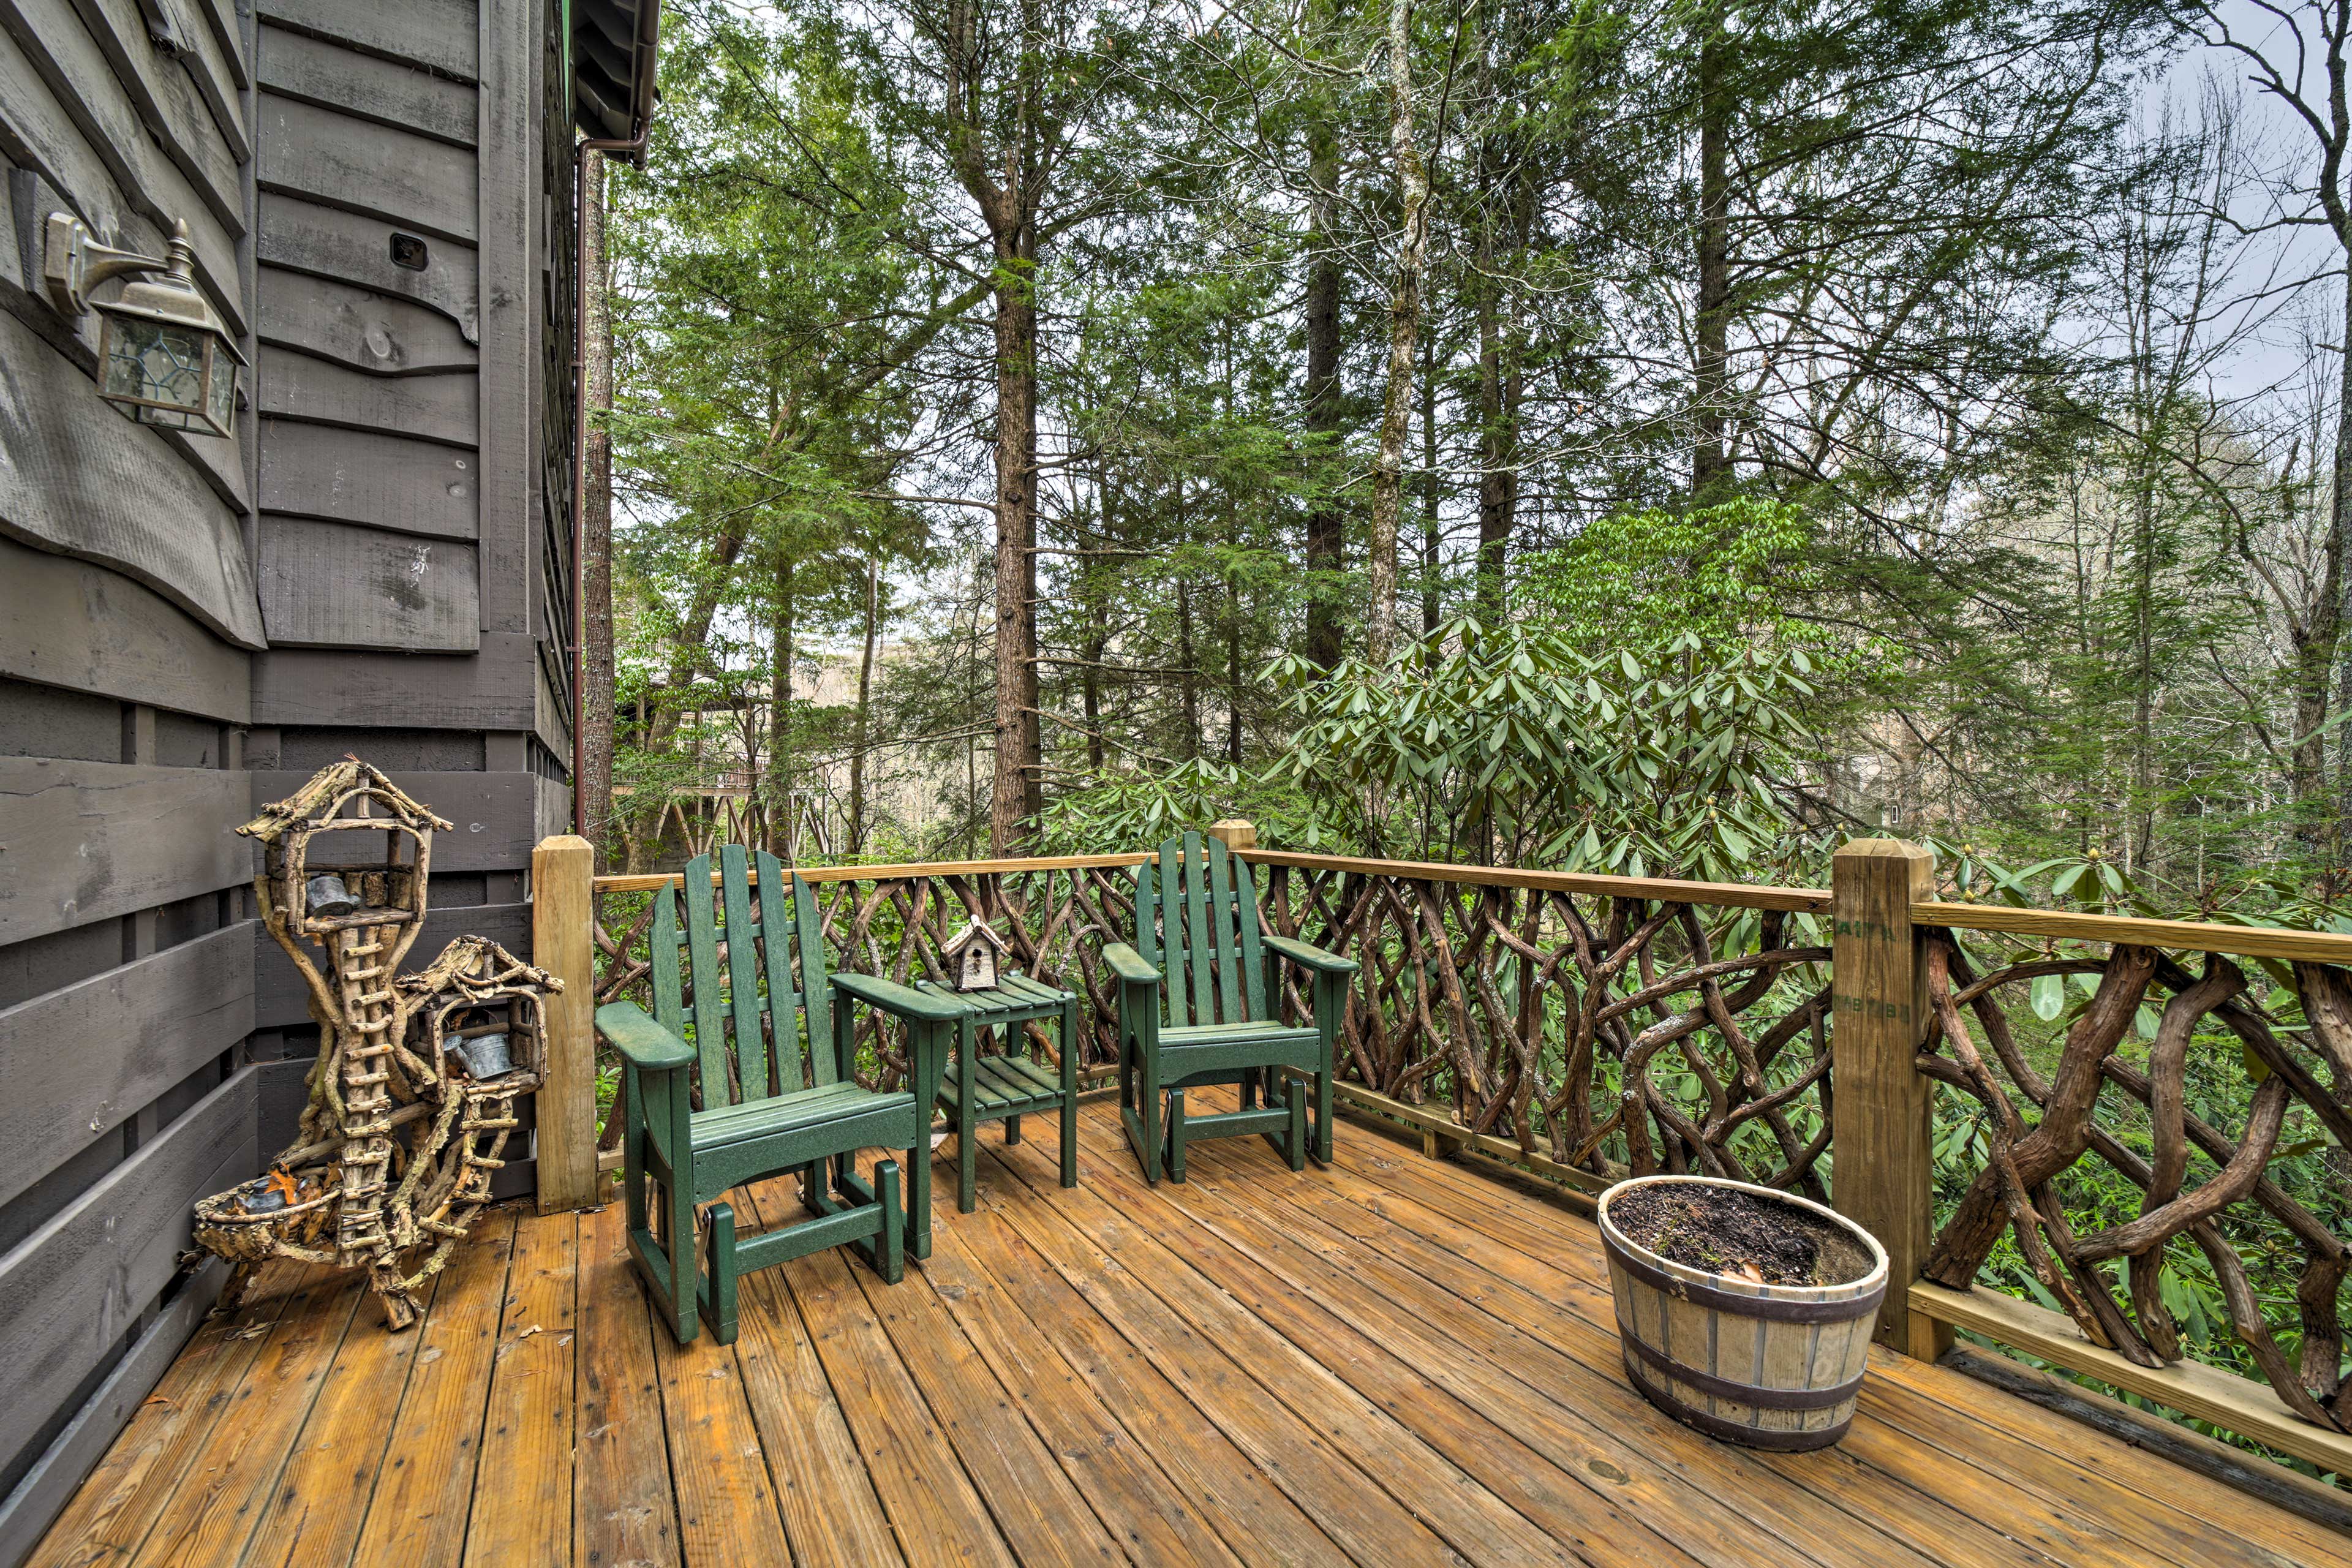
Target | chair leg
(817,1192)
(632,1183)
(967,1125)
(685,1319)
(1249,1089)
(717,1294)
(891,1241)
(1126,1063)
(1175,1134)
(1294,1144)
(918,1173)
(1145,1128)
(1069,1096)
(1323,1115)
(1011,1129)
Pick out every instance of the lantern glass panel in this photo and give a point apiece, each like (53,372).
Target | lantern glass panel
(221,392)
(152,364)
(167,374)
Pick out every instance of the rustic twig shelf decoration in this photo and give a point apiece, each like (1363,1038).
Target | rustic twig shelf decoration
(414,1092)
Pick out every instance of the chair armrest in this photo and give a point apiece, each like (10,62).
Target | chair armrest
(647,1046)
(1313,958)
(1130,966)
(900,1001)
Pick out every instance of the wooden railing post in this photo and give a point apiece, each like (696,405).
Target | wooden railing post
(563,936)
(1234,833)
(1884,1178)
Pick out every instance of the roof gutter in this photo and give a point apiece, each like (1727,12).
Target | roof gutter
(632,148)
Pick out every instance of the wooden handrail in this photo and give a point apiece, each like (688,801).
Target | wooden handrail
(1667,889)
(646,882)
(2201,936)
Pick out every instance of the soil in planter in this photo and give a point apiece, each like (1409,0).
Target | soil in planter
(1739,1235)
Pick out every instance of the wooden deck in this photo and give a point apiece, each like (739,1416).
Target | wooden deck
(1396,1361)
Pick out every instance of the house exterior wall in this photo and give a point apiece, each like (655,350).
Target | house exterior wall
(376,564)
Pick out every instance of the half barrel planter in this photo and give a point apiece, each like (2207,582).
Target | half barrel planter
(1767,1366)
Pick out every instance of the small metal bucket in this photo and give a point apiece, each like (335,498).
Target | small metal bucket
(327,897)
(484,1056)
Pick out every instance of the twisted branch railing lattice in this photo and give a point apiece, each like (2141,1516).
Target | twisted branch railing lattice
(2018,1193)
(1630,1034)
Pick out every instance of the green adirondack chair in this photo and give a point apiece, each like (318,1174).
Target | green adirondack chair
(1200,1003)
(741,1098)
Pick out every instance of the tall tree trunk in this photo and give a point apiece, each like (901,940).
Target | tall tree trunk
(780,716)
(1498,355)
(863,730)
(1189,680)
(1326,519)
(1404,329)
(1013,809)
(1710,365)
(1431,543)
(1097,641)
(1233,627)
(2316,654)
(597,680)
(1501,384)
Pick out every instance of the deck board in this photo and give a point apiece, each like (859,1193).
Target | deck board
(1393,1360)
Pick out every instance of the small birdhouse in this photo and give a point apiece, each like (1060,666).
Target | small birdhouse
(972,954)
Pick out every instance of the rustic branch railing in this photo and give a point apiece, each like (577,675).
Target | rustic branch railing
(2160,1006)
(1598,1026)
(1627,1025)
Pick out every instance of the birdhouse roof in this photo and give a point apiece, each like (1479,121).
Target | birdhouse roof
(972,932)
(327,793)
(478,968)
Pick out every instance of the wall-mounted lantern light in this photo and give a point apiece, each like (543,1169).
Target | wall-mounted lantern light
(164,357)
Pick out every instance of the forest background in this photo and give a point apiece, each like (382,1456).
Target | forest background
(1667,435)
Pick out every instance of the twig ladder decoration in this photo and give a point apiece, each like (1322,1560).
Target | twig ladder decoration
(413,1094)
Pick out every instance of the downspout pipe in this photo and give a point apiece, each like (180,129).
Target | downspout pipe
(632,148)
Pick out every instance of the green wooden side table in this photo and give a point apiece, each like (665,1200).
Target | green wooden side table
(975,1088)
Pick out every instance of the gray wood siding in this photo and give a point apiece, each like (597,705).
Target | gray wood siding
(90,840)
(80,94)
(314,70)
(326,156)
(491,691)
(352,248)
(127,601)
(85,1059)
(378,564)
(325,585)
(380,334)
(69,624)
(394,482)
(495,815)
(440,36)
(72,1292)
(298,388)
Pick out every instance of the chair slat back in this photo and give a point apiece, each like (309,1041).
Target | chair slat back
(1196,919)
(758,1029)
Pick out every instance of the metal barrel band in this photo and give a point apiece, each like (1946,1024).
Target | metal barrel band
(1744,1392)
(1771,1308)
(1772,1439)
